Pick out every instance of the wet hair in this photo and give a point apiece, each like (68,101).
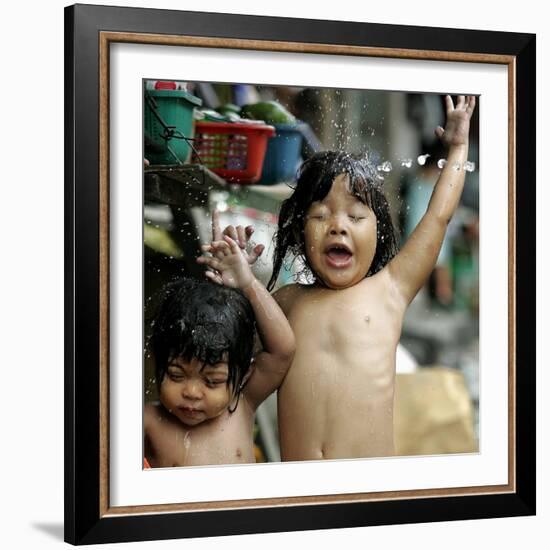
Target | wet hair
(203,320)
(315,178)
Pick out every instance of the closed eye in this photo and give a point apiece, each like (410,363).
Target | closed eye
(356,218)
(213,383)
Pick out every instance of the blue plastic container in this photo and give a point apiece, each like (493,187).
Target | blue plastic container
(282,157)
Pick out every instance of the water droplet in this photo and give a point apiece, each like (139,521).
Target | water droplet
(367,318)
(422,159)
(456,166)
(441,163)
(469,166)
(406,163)
(385,167)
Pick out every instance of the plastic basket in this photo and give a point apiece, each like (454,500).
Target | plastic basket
(234,151)
(175,108)
(282,157)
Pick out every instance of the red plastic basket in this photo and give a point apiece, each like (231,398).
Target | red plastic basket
(233,150)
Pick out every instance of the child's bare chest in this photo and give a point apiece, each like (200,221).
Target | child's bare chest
(342,377)
(355,320)
(226,441)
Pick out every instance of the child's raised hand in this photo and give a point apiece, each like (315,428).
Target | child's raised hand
(241,235)
(457,126)
(229,265)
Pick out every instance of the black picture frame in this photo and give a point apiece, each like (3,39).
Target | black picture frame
(88,519)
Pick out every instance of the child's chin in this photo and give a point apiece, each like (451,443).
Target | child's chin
(191,421)
(340,283)
(195,421)
(340,286)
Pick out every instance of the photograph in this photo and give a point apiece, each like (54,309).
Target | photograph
(298,295)
(311,282)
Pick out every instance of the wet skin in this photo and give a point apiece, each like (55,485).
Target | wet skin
(227,439)
(340,237)
(194,392)
(192,425)
(337,398)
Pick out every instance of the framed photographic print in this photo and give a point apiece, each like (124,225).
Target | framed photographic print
(197,142)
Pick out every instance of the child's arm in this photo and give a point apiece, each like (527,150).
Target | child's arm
(272,362)
(149,417)
(413,264)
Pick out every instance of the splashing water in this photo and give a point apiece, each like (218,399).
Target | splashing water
(422,159)
(469,166)
(441,163)
(406,163)
(385,167)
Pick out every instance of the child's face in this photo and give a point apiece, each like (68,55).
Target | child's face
(194,392)
(340,237)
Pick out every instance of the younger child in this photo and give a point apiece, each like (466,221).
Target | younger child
(337,398)
(210,383)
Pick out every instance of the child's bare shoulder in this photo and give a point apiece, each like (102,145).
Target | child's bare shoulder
(382,286)
(153,413)
(287,295)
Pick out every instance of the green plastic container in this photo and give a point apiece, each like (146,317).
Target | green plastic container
(175,109)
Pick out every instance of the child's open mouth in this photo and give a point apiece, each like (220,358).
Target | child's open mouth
(338,256)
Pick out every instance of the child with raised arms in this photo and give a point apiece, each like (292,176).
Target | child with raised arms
(337,399)
(210,380)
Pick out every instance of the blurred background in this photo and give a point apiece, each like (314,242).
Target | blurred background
(236,147)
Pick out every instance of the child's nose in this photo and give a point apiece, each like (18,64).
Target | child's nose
(191,389)
(338,226)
